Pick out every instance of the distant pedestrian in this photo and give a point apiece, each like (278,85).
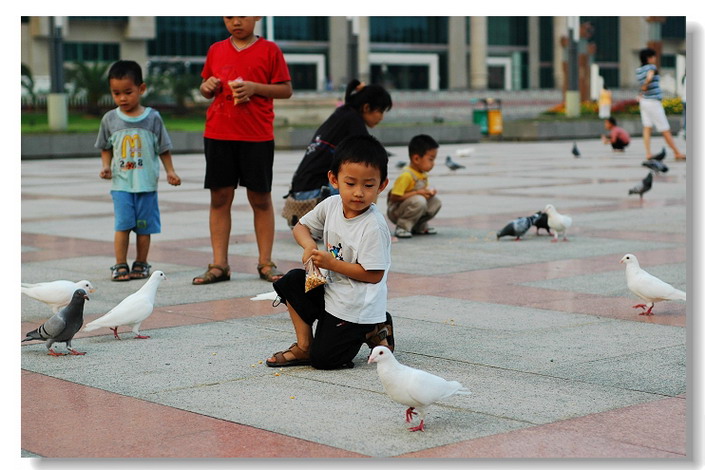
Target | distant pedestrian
(130,138)
(650,106)
(604,103)
(412,202)
(243,74)
(617,137)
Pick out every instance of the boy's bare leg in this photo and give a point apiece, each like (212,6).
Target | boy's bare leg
(220,221)
(263,212)
(143,242)
(668,136)
(122,240)
(647,141)
(304,334)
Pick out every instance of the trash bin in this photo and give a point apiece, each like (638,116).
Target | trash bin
(488,115)
(494,117)
(479,115)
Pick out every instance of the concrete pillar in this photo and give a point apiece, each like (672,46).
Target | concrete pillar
(560,29)
(534,52)
(633,35)
(338,51)
(457,53)
(363,49)
(478,52)
(58,111)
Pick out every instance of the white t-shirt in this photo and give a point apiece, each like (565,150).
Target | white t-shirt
(365,240)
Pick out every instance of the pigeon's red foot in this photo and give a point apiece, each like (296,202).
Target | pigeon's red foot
(54,353)
(554,240)
(417,428)
(114,330)
(142,337)
(641,306)
(410,414)
(76,353)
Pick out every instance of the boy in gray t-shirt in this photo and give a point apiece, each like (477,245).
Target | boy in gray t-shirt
(351,306)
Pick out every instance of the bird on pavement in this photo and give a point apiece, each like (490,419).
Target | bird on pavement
(541,222)
(575,151)
(133,310)
(56,294)
(655,165)
(648,287)
(414,388)
(518,227)
(62,326)
(558,222)
(643,186)
(453,165)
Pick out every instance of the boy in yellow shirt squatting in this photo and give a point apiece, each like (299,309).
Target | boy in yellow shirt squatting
(411,202)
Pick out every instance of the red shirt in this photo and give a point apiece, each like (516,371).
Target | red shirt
(619,133)
(262,62)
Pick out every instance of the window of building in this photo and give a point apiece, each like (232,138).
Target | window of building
(189,36)
(91,52)
(409,29)
(605,36)
(297,28)
(546,51)
(673,27)
(507,31)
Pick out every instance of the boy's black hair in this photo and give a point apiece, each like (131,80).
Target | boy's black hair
(612,121)
(361,149)
(420,144)
(126,69)
(358,94)
(644,55)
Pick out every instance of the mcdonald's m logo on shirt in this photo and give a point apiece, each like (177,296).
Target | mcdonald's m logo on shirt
(131,146)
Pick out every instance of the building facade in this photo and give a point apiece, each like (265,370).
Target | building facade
(403,53)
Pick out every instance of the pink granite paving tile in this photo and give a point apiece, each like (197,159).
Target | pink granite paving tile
(92,423)
(650,430)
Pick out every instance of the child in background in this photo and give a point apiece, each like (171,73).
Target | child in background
(243,74)
(131,137)
(617,137)
(351,306)
(411,202)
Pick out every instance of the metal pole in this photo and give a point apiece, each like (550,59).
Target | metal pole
(572,95)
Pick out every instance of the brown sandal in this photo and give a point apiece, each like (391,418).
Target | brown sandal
(381,332)
(273,274)
(209,278)
(301,357)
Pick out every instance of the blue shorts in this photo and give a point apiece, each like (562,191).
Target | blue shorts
(138,212)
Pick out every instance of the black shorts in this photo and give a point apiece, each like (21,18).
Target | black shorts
(233,163)
(335,342)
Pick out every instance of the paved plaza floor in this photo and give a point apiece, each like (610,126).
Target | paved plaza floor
(543,334)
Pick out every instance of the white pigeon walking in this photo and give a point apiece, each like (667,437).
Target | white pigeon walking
(133,310)
(414,388)
(558,222)
(648,287)
(56,294)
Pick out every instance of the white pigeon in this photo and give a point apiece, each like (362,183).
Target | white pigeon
(265,296)
(648,287)
(414,388)
(56,294)
(133,310)
(558,222)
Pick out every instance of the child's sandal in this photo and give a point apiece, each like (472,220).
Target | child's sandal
(121,272)
(381,332)
(140,270)
(272,275)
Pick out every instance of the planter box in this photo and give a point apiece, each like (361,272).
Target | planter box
(574,129)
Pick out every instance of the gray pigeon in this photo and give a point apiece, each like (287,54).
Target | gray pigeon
(401,164)
(575,151)
(643,186)
(655,165)
(517,227)
(62,326)
(453,165)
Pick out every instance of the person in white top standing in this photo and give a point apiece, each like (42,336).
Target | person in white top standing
(356,256)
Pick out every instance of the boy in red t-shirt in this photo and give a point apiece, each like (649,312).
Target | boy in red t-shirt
(617,137)
(244,74)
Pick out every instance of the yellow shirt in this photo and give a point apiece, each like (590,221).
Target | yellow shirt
(409,180)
